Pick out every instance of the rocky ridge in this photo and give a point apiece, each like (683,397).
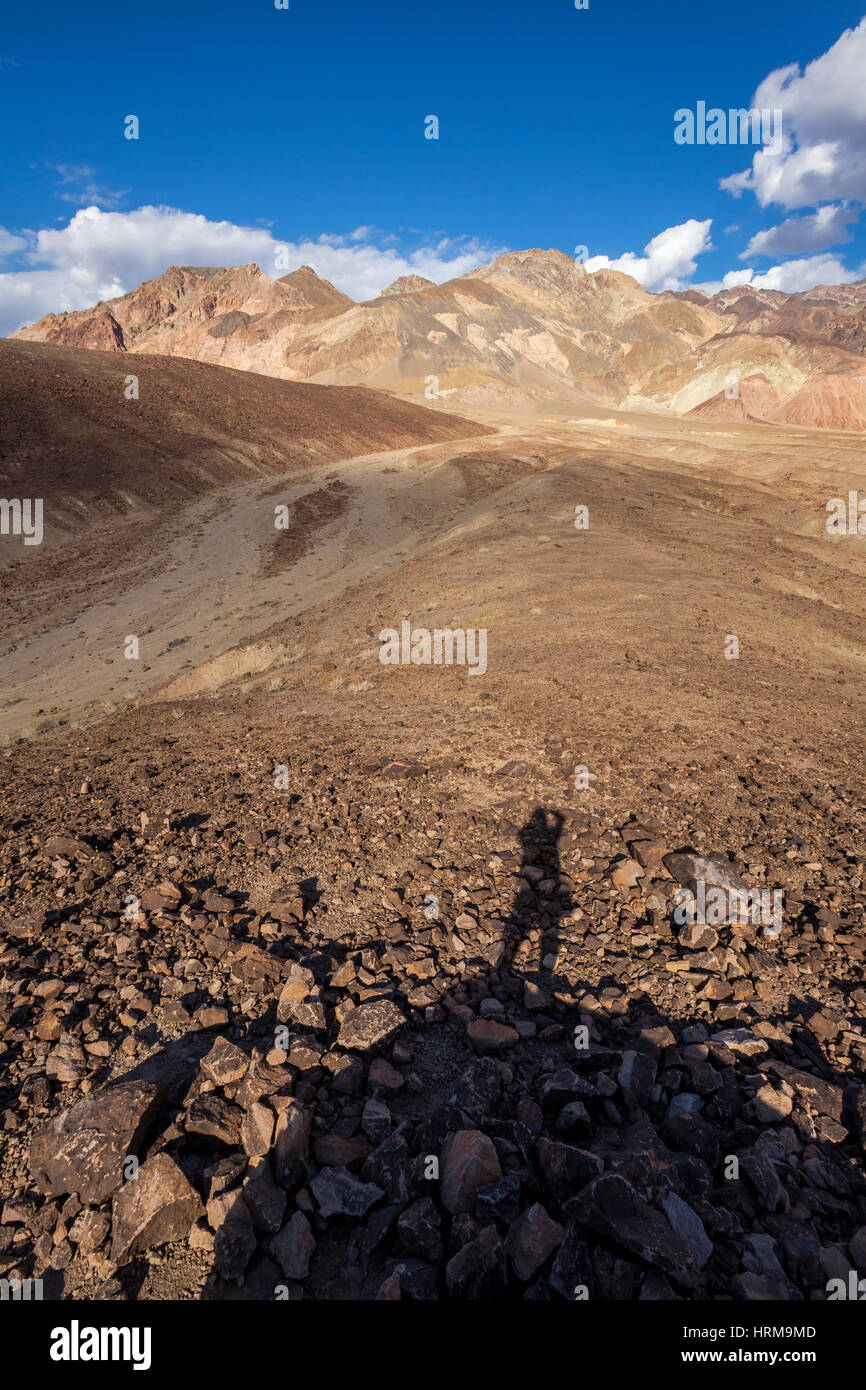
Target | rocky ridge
(531,328)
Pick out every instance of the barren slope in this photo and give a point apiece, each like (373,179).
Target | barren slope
(343,917)
(69,434)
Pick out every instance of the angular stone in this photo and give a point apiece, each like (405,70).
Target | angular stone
(225,1063)
(715,870)
(572,1272)
(857,1248)
(741,1042)
(212,1016)
(291,1144)
(627,873)
(212,1117)
(566,1168)
(468,1161)
(82,1150)
(158,1206)
(257,1129)
(697,936)
(486,1035)
(294,1247)
(758,1288)
(610,1206)
(763,1177)
(822,1096)
(301,1001)
(478,1088)
(689,1225)
(338,1193)
(379,1234)
(636,1078)
(218,902)
(376,1120)
(220,1175)
(336,1151)
(479,1269)
(348,1074)
(499,1203)
(233,1247)
(389,1166)
(67,847)
(229,1205)
(771,1107)
(383,1077)
(532,1238)
(389,1291)
(573,1121)
(534,997)
(566,1085)
(418,1228)
(369,1025)
(266,1202)
(66,1062)
(89,1230)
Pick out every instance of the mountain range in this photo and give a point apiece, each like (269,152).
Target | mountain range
(531,329)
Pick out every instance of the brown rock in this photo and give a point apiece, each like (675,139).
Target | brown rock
(532,1238)
(468,1161)
(488,1036)
(257,1130)
(225,1063)
(83,1149)
(293,1248)
(369,1025)
(156,1207)
(291,1144)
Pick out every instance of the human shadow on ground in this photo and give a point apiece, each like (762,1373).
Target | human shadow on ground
(654,1101)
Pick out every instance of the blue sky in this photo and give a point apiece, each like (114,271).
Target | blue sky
(305,128)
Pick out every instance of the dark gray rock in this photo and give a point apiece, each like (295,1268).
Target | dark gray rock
(612,1208)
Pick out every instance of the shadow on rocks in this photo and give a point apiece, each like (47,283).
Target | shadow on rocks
(533,1135)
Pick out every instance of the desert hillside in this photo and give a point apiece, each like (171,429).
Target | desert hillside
(375,969)
(111,435)
(531,328)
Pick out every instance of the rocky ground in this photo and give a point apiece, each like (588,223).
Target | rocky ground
(335,1021)
(321,979)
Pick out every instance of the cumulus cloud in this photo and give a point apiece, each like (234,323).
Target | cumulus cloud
(668,260)
(823,151)
(99,255)
(9,242)
(815,232)
(791,277)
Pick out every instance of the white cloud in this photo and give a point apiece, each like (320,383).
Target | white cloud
(668,260)
(100,255)
(791,277)
(78,184)
(9,242)
(823,151)
(815,232)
